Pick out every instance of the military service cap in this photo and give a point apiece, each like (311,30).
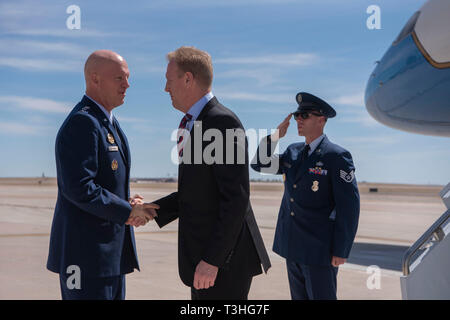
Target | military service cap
(308,102)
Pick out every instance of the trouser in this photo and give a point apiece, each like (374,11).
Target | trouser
(308,282)
(93,288)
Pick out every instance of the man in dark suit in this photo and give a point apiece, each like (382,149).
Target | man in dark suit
(220,248)
(319,211)
(92,243)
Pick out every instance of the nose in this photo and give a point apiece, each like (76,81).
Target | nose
(126,83)
(166,88)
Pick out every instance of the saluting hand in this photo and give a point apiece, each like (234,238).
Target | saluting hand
(281,129)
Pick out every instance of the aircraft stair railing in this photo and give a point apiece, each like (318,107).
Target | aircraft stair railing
(426,264)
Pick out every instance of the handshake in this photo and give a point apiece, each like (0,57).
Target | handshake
(141,212)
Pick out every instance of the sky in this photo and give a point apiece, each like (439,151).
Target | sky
(264,52)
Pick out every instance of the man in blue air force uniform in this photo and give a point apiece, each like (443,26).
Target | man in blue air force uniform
(92,243)
(319,211)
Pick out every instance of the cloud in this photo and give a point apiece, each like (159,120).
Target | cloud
(130,120)
(219,3)
(262,77)
(35,104)
(379,140)
(260,97)
(362,118)
(356,100)
(292,59)
(20,128)
(63,33)
(31,55)
(32,47)
(28,64)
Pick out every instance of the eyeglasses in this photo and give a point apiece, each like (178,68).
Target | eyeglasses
(305,115)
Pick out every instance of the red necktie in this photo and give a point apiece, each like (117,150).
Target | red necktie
(187,117)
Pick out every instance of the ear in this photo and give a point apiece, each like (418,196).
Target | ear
(189,79)
(95,78)
(322,120)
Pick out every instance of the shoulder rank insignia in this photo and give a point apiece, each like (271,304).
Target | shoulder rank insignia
(347,177)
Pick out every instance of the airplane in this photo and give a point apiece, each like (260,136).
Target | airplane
(410,90)
(410,86)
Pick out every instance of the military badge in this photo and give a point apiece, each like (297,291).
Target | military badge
(347,177)
(318,170)
(114,165)
(315,186)
(110,138)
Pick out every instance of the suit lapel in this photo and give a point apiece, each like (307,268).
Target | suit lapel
(211,103)
(124,147)
(117,140)
(100,115)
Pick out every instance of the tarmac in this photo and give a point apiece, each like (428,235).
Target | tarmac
(391,220)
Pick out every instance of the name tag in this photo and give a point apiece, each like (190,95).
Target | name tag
(113,148)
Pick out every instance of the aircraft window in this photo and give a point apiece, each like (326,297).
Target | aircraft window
(408,28)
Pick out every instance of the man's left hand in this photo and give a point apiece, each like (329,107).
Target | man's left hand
(205,275)
(337,261)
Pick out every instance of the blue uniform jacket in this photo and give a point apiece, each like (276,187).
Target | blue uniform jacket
(93,168)
(319,212)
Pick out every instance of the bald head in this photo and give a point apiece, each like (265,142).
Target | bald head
(99,60)
(106,74)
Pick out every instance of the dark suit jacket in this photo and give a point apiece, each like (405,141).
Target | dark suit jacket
(88,228)
(216,222)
